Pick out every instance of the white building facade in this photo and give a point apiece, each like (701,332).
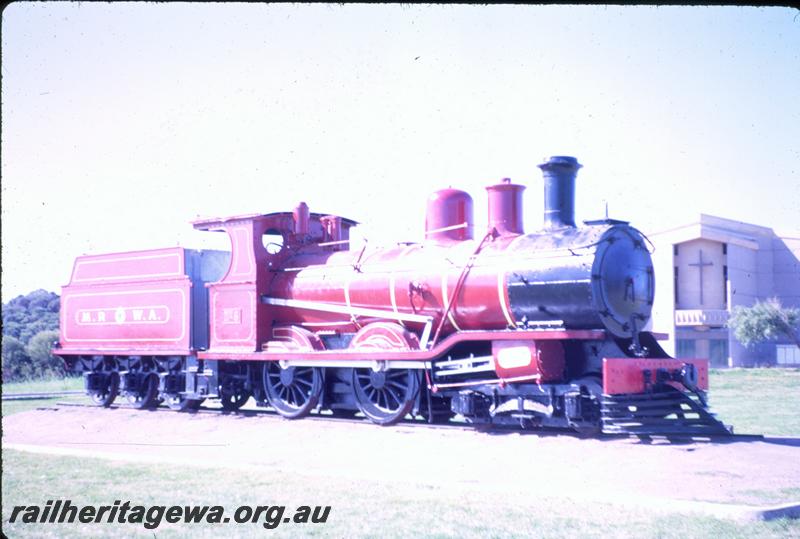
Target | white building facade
(703,270)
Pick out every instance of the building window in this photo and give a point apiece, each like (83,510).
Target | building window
(718,352)
(684,348)
(676,286)
(787,354)
(724,248)
(725,286)
(675,250)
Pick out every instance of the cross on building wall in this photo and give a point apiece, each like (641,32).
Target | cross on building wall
(700,264)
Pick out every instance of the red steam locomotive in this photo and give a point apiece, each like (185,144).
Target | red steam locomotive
(543,329)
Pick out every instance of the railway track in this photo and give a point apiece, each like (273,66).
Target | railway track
(421,423)
(272,414)
(39,396)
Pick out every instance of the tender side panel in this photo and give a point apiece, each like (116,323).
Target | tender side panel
(136,266)
(136,301)
(627,375)
(139,316)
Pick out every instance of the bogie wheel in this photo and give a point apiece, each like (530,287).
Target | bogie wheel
(180,403)
(147,395)
(293,391)
(385,397)
(105,397)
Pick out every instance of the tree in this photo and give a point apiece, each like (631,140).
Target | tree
(25,316)
(16,363)
(765,321)
(43,361)
(30,326)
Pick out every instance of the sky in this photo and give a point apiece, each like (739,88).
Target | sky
(123,122)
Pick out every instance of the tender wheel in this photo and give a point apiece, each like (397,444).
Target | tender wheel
(385,397)
(147,395)
(105,397)
(293,391)
(182,404)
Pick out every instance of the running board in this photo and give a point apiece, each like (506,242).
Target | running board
(666,411)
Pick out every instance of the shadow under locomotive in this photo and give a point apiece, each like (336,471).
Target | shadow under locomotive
(538,330)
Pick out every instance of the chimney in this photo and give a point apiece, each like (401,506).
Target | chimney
(505,207)
(559,191)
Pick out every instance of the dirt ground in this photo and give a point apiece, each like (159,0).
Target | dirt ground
(547,464)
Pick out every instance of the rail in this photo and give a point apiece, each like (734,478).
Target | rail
(450,425)
(39,396)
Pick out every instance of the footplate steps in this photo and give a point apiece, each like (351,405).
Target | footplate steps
(665,412)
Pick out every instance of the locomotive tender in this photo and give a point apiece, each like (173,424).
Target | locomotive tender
(499,327)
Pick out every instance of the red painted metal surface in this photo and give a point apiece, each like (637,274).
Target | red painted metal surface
(625,375)
(239,320)
(384,336)
(410,355)
(505,207)
(127,301)
(234,322)
(314,283)
(543,358)
(411,279)
(289,339)
(447,210)
(116,350)
(134,266)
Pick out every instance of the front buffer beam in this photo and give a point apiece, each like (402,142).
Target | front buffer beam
(661,396)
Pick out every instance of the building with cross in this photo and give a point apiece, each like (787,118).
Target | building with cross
(704,269)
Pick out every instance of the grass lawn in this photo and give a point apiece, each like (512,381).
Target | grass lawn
(757,401)
(72,383)
(42,386)
(358,508)
(754,401)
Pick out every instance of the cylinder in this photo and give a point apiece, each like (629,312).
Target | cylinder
(449,216)
(559,173)
(505,207)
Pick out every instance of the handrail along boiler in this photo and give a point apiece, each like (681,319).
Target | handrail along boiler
(498,327)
